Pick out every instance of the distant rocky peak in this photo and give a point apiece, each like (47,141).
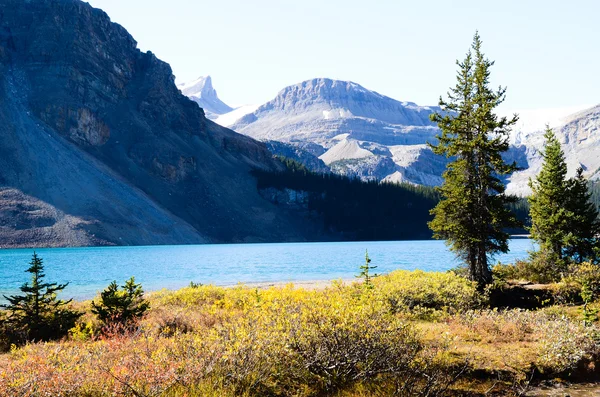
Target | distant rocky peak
(201,87)
(345,99)
(202,92)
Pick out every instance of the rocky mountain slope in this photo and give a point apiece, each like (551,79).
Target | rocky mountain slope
(579,135)
(355,131)
(99,146)
(202,92)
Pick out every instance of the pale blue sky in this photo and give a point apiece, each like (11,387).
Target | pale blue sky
(546,52)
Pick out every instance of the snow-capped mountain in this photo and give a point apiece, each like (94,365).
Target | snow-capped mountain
(202,92)
(355,131)
(358,132)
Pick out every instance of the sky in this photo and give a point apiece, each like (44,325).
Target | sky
(546,52)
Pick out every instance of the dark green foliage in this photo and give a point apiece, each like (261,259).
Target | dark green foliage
(549,215)
(519,206)
(581,243)
(564,218)
(536,271)
(365,272)
(195,285)
(38,315)
(358,210)
(121,307)
(473,215)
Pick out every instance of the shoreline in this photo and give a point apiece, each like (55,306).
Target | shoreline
(315,285)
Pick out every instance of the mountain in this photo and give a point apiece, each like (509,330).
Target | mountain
(202,92)
(355,131)
(579,135)
(98,146)
(361,133)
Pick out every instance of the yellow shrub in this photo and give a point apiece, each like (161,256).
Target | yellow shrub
(423,292)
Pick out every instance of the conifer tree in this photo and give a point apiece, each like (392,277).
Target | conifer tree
(550,218)
(583,226)
(39,315)
(564,221)
(472,214)
(365,272)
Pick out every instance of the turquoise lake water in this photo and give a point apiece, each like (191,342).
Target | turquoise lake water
(89,270)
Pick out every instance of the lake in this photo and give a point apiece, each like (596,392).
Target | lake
(89,270)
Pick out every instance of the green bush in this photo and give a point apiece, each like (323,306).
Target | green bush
(541,268)
(121,307)
(341,344)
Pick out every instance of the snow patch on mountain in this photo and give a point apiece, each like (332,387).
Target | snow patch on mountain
(345,149)
(231,117)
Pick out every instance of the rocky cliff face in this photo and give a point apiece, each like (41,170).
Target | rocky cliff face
(93,130)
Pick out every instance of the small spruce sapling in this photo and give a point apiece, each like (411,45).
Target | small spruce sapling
(121,307)
(38,315)
(365,272)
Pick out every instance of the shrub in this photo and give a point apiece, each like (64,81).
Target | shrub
(343,343)
(559,345)
(539,269)
(121,307)
(587,276)
(240,341)
(566,345)
(424,292)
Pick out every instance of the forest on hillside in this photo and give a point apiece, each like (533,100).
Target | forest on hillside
(359,210)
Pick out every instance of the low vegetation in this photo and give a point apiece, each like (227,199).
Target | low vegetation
(408,333)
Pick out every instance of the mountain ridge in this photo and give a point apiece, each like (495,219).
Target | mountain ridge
(350,127)
(319,114)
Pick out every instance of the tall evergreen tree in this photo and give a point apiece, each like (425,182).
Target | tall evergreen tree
(564,220)
(583,227)
(472,215)
(38,314)
(550,218)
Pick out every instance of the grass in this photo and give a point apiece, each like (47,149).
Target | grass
(414,333)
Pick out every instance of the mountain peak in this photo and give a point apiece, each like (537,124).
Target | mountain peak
(201,87)
(202,92)
(327,89)
(329,98)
